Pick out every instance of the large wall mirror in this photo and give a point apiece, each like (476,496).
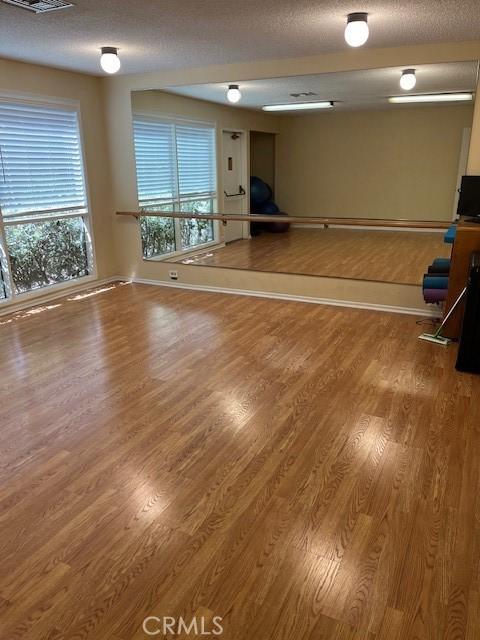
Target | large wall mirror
(362,148)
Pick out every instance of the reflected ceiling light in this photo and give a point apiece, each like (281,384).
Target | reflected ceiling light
(109,60)
(298,106)
(356,31)
(433,97)
(233,93)
(408,79)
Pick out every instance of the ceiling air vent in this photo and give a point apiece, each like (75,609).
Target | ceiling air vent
(40,6)
(304,94)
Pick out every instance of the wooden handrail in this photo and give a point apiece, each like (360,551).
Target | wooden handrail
(253,217)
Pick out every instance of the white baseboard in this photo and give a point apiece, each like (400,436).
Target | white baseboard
(8,307)
(28,304)
(364,228)
(429,313)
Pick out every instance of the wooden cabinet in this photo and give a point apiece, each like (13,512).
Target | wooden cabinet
(466,242)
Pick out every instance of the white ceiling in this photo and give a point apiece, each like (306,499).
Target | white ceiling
(169,34)
(351,90)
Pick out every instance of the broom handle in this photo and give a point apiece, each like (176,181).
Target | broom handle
(445,320)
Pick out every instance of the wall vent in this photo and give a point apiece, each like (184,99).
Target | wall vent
(304,94)
(40,6)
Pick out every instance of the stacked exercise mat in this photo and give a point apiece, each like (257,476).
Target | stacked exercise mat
(435,282)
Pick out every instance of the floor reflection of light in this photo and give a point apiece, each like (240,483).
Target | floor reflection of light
(235,409)
(96,292)
(151,500)
(30,312)
(48,307)
(408,385)
(195,259)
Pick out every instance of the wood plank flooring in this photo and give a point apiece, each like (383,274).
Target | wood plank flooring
(301,471)
(385,256)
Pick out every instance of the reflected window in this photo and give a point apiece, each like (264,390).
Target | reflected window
(176,171)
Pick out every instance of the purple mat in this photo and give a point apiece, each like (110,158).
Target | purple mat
(434,295)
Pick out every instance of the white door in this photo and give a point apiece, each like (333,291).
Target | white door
(234,171)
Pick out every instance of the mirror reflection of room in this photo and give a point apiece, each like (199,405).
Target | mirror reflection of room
(381,152)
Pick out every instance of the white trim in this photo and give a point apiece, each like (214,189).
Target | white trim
(39,99)
(12,221)
(39,296)
(171,118)
(245,153)
(291,297)
(363,228)
(93,283)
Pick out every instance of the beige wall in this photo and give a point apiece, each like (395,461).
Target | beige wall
(395,163)
(36,81)
(473,166)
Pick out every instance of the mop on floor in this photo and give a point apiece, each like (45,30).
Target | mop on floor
(436,337)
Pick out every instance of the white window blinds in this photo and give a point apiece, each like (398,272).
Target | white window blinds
(174,161)
(41,166)
(196,160)
(155,158)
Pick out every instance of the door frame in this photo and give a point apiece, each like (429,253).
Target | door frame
(244,174)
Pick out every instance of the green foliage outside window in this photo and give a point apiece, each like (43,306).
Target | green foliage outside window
(158,234)
(44,253)
(196,232)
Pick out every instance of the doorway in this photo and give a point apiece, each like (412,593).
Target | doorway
(262,157)
(235,191)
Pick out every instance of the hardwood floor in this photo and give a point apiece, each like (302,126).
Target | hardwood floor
(301,471)
(386,256)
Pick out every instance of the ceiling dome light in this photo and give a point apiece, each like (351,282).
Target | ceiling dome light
(109,60)
(233,93)
(408,79)
(356,31)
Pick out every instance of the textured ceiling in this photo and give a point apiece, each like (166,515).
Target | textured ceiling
(169,34)
(352,89)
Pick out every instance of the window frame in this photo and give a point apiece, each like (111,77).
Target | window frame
(13,296)
(177,202)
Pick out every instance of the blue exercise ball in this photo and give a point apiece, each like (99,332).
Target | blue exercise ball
(268,208)
(260,192)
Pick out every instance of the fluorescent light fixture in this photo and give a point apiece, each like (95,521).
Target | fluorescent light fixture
(433,97)
(298,106)
(356,31)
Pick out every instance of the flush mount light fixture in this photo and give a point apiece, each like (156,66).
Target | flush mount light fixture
(356,31)
(233,93)
(408,79)
(433,97)
(109,60)
(298,106)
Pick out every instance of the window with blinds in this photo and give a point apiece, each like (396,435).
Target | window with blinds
(43,203)
(176,171)
(41,161)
